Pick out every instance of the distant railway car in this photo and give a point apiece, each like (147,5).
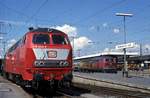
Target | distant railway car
(96,64)
(1,63)
(41,55)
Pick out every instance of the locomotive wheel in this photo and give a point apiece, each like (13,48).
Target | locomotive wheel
(35,85)
(18,80)
(5,75)
(45,87)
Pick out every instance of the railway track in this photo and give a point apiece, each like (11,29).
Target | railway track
(105,92)
(72,92)
(122,93)
(84,91)
(80,90)
(63,94)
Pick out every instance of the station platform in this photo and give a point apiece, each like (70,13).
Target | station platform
(112,80)
(11,90)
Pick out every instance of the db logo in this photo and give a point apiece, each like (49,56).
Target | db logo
(52,54)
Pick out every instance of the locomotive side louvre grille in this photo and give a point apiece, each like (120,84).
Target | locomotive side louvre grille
(43,54)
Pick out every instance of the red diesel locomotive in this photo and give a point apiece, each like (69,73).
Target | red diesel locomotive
(95,64)
(41,55)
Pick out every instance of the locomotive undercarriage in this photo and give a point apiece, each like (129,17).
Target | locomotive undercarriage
(38,81)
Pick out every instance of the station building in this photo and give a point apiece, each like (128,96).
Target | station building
(138,60)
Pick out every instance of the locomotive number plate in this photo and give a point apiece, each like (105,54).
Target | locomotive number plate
(52,54)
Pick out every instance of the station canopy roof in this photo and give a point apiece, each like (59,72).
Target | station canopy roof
(107,54)
(1,57)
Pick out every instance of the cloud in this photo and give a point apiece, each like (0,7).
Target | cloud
(11,42)
(95,28)
(70,30)
(81,42)
(106,49)
(116,30)
(92,28)
(1,38)
(105,25)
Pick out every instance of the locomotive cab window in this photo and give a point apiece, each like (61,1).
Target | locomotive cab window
(41,39)
(59,39)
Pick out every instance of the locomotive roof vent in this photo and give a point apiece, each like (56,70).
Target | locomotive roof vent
(30,28)
(44,30)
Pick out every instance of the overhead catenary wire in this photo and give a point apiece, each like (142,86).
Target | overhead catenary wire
(101,11)
(14,10)
(27,5)
(111,27)
(141,11)
(79,24)
(36,12)
(23,14)
(31,17)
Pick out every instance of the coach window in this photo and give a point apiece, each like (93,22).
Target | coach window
(41,39)
(107,59)
(59,39)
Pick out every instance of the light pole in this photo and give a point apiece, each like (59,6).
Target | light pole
(124,15)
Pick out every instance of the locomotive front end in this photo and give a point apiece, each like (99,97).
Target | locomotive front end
(52,58)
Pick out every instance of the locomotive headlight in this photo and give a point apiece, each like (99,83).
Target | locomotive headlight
(63,63)
(36,63)
(39,63)
(66,63)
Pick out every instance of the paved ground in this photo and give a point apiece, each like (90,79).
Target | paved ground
(144,73)
(10,90)
(133,80)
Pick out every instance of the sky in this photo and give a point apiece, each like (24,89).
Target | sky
(92,24)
